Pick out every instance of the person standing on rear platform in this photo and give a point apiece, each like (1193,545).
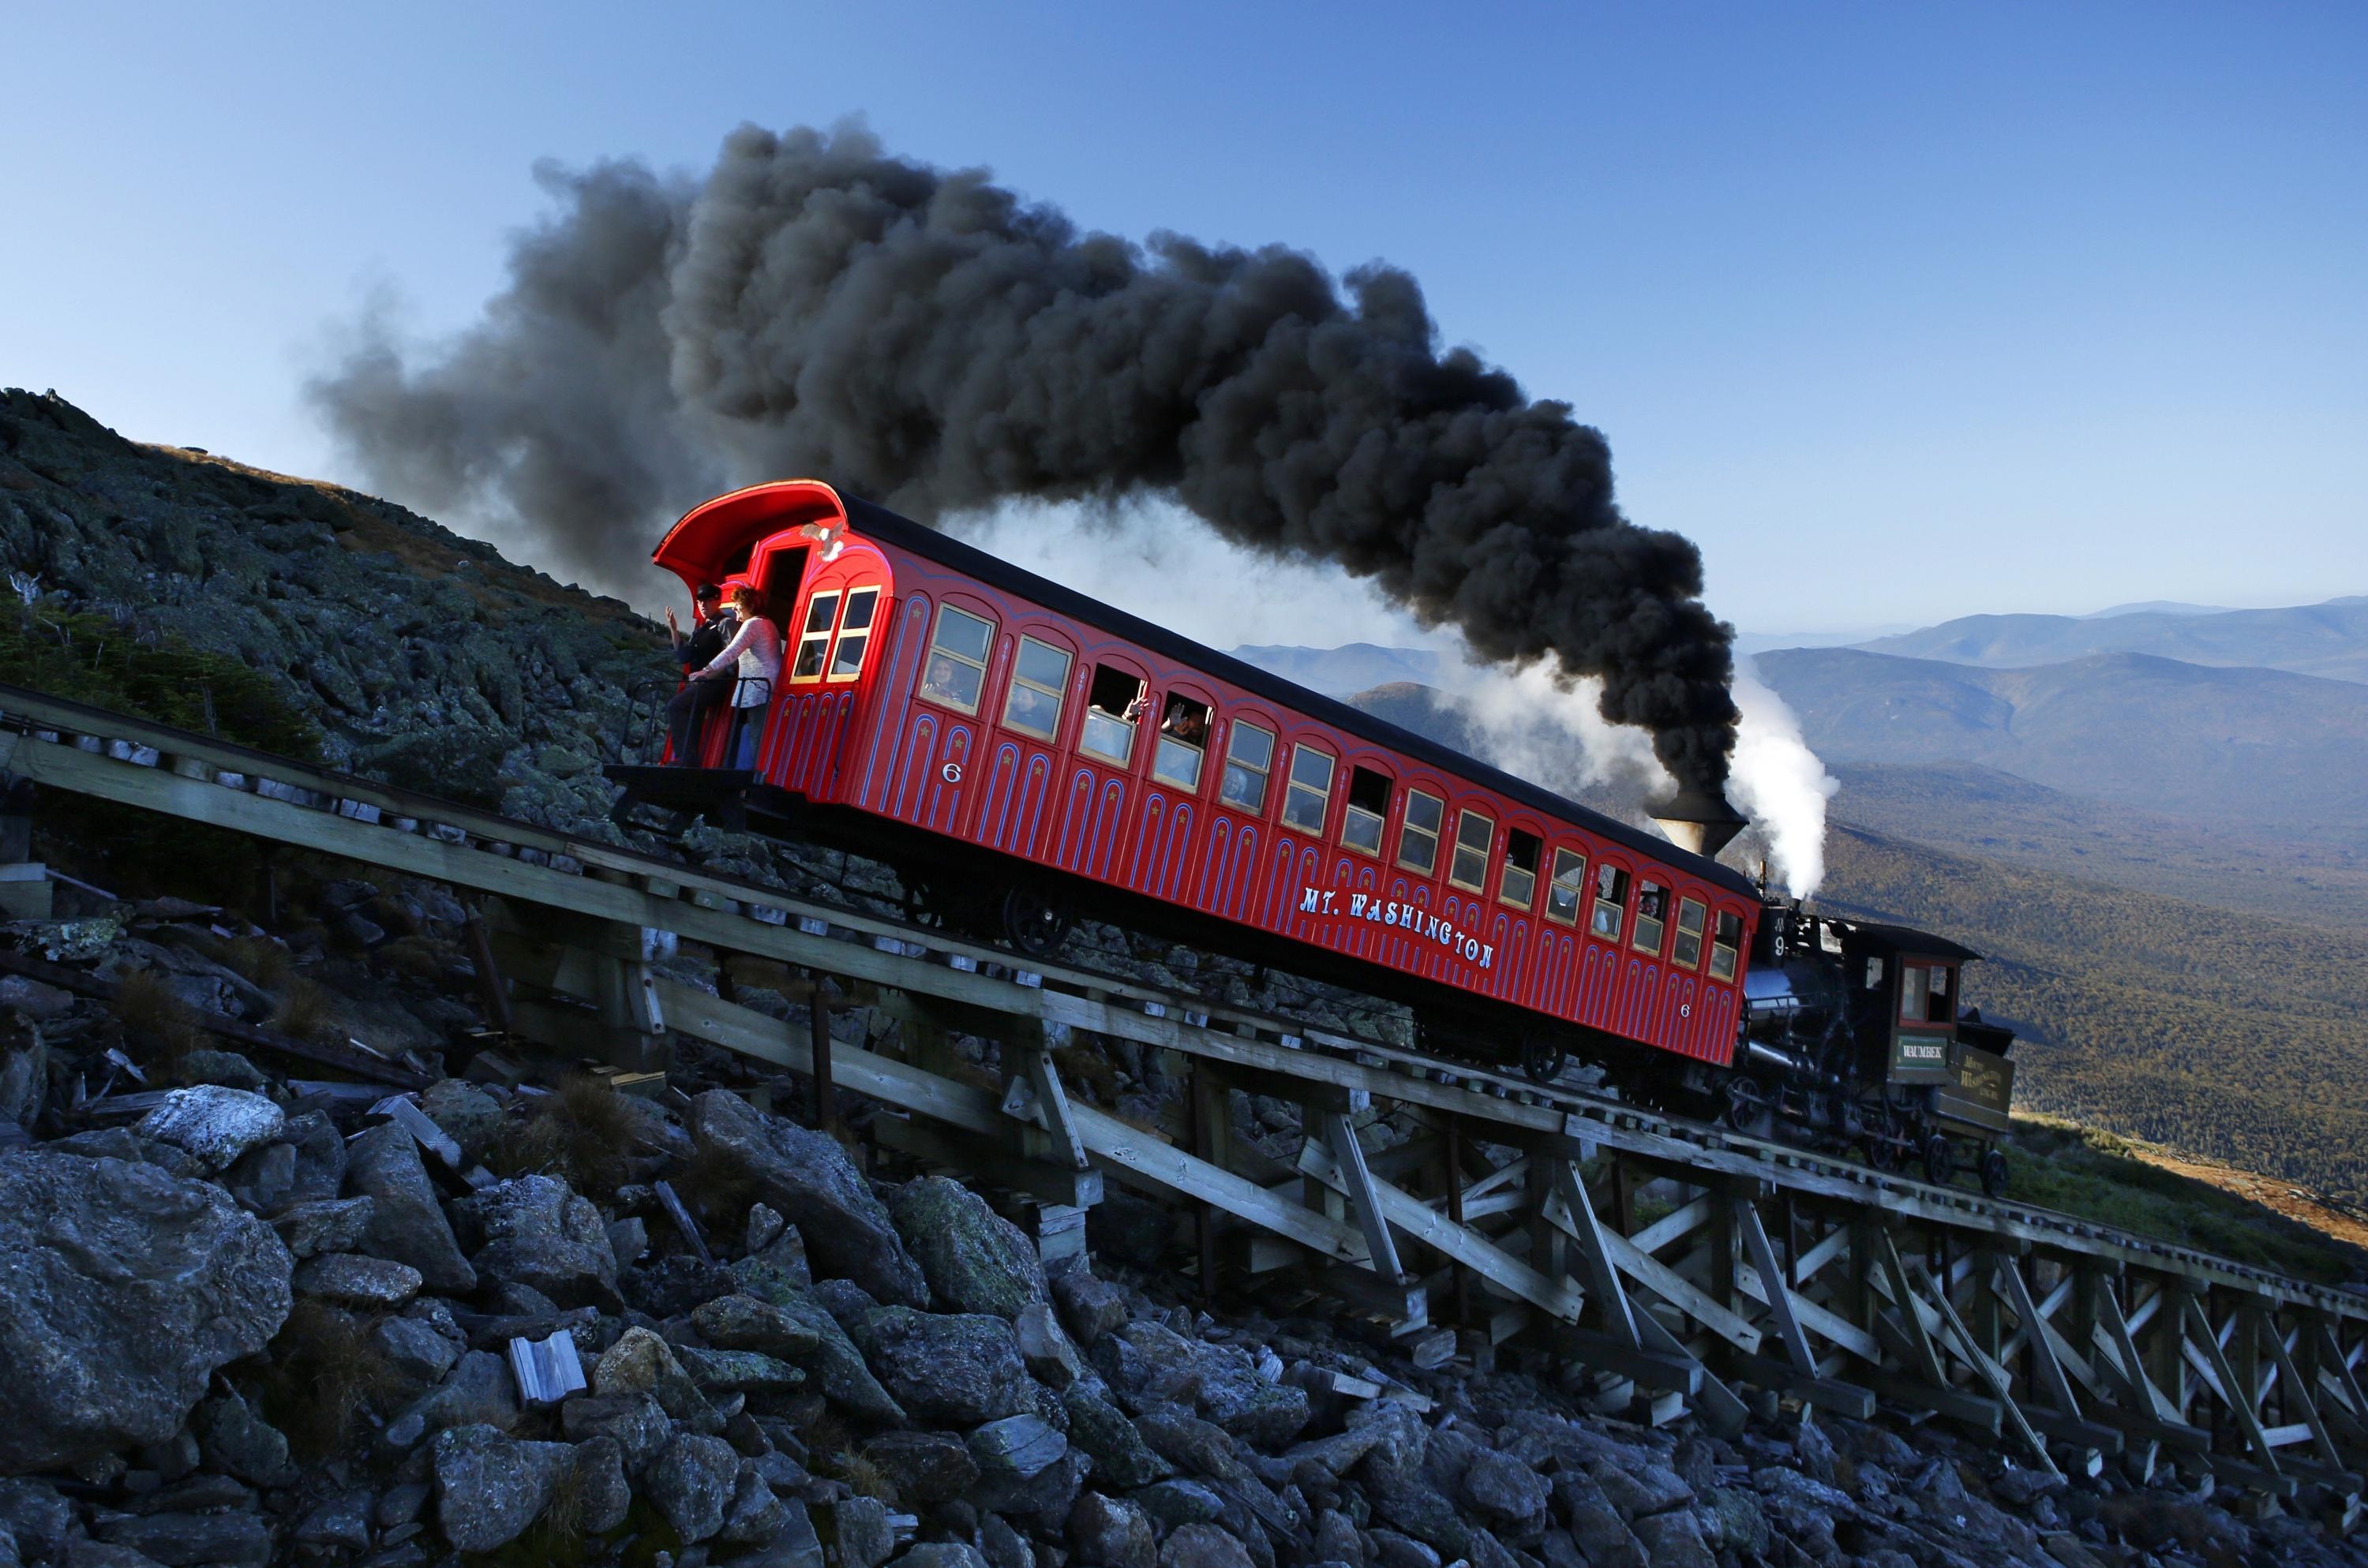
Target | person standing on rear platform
(687,709)
(752,660)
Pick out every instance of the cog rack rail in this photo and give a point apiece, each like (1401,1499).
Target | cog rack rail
(1667,1263)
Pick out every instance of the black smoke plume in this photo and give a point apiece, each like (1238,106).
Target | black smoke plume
(929,340)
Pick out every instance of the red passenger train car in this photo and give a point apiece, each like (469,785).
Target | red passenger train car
(984,729)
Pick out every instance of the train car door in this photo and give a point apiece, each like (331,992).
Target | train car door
(1115,728)
(1021,763)
(1170,814)
(832,608)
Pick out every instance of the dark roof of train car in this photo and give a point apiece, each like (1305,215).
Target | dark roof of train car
(881,523)
(1908,939)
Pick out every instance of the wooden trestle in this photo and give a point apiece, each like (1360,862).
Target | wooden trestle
(1680,1266)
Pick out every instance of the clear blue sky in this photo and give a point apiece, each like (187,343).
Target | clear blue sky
(1901,311)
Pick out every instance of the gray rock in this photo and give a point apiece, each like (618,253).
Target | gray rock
(1173,1504)
(1408,1499)
(1392,1549)
(402,1503)
(263,1179)
(975,1260)
(1017,1447)
(234,1438)
(1602,1535)
(342,1519)
(640,1362)
(794,1546)
(227,1068)
(942,1554)
(320,1158)
(805,1175)
(1198,1447)
(407,1225)
(1674,1539)
(629,1240)
(691,1483)
(476,1391)
(1335,1539)
(490,1487)
(86,1552)
(866,1538)
(1498,1485)
(535,1231)
(602,1494)
(1102,1430)
(755,1515)
(960,1369)
(1002,1546)
(183,1541)
(353,1279)
(32,1512)
(845,1379)
(24,1073)
(764,1228)
(1110,1532)
(1051,1357)
(1202,1546)
(1732,1521)
(1237,1397)
(738,1371)
(212,1124)
(744,1323)
(124,1289)
(1639,1484)
(465,1113)
(415,1350)
(328,1224)
(925,1468)
(635,1421)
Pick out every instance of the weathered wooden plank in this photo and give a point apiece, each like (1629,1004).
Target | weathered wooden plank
(1774,1294)
(1817,1320)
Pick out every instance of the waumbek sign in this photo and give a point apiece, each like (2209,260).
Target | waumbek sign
(1405,918)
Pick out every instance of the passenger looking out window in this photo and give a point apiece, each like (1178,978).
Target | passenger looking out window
(1519,884)
(1039,677)
(1419,835)
(1726,941)
(1113,704)
(813,640)
(1568,885)
(1183,742)
(1652,911)
(957,667)
(1369,804)
(1474,834)
(1686,952)
(854,632)
(1611,902)
(1250,757)
(1310,794)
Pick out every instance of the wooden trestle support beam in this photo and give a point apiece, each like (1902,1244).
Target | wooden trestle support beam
(1660,1262)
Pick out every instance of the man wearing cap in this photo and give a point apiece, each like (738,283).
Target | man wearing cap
(687,709)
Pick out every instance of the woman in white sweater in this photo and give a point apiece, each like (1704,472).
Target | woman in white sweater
(754,653)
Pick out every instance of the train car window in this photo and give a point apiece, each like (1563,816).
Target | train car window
(1611,902)
(1519,884)
(1039,676)
(1652,913)
(1310,793)
(1111,708)
(957,667)
(1250,757)
(1686,952)
(1419,835)
(1474,834)
(1569,882)
(1924,994)
(1725,944)
(1369,804)
(813,640)
(1183,740)
(854,632)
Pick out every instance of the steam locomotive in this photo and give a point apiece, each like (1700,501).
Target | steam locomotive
(1026,756)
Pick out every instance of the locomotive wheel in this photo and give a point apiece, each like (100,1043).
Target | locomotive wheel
(922,906)
(1881,1148)
(1033,922)
(1744,1107)
(1940,1161)
(1543,1060)
(1994,1174)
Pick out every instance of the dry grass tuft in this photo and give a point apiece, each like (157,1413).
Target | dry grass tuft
(584,1134)
(323,1372)
(716,1183)
(417,956)
(306,1012)
(152,1013)
(260,959)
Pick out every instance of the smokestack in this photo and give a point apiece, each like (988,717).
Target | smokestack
(935,343)
(1697,819)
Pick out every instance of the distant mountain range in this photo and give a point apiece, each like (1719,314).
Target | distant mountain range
(1338,672)
(2327,640)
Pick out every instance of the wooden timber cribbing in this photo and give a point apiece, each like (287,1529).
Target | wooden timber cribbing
(1687,1264)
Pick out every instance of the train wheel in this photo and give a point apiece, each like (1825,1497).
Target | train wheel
(1940,1161)
(922,906)
(1543,1060)
(1994,1174)
(1882,1148)
(1034,922)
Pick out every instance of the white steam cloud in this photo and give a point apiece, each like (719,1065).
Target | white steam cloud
(1779,783)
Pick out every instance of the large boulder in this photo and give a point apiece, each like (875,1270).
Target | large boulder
(807,1177)
(407,1224)
(839,1366)
(975,1260)
(536,1230)
(213,1124)
(122,1289)
(956,1368)
(691,1483)
(490,1486)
